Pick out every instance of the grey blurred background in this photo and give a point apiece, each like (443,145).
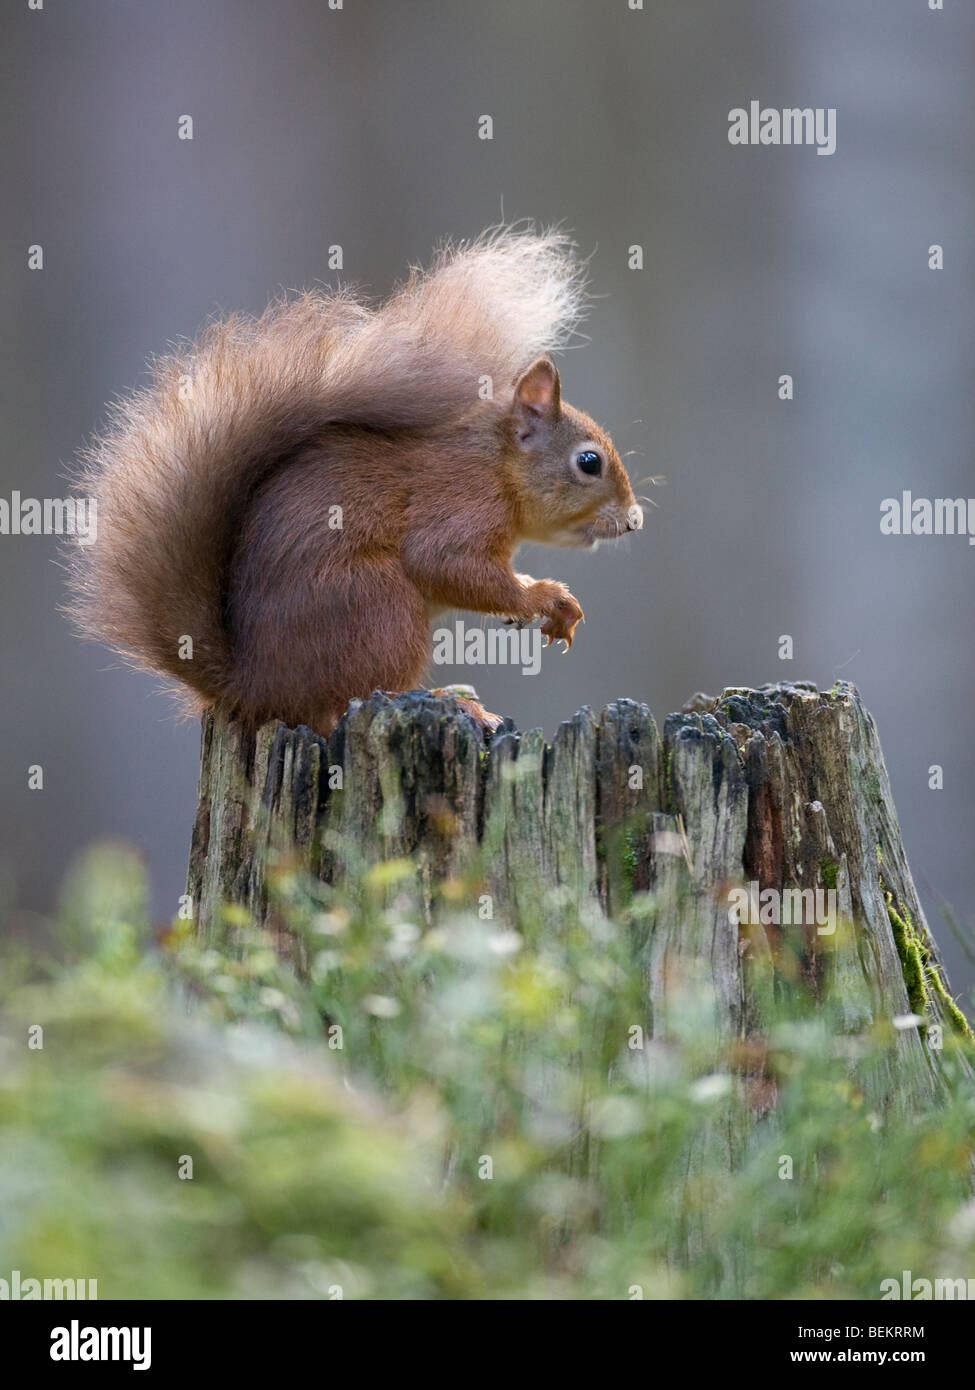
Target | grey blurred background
(314,126)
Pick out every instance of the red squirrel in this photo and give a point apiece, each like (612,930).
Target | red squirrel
(286,505)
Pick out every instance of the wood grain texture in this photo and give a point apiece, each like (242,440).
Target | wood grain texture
(784,786)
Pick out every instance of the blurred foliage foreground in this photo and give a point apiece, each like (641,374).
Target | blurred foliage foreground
(456,1111)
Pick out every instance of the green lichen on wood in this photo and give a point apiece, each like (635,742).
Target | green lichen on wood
(958,1020)
(669,797)
(921,974)
(908,948)
(629,856)
(828,869)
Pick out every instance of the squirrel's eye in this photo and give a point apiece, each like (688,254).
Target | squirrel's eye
(588,461)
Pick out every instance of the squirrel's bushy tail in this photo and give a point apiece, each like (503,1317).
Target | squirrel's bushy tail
(173,472)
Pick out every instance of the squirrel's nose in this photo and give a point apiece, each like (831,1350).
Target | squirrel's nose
(634,517)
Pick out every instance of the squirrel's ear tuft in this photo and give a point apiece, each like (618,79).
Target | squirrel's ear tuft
(538,391)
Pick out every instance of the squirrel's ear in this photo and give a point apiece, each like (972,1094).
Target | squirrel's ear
(538,396)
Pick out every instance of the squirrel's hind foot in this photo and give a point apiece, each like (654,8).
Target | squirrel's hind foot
(466,699)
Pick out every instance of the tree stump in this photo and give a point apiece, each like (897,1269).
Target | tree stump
(754,808)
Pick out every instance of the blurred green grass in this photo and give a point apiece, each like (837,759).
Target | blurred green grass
(449,1111)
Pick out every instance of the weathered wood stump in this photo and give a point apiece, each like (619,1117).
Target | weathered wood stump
(759,830)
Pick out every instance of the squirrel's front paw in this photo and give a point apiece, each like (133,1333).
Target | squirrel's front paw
(560,611)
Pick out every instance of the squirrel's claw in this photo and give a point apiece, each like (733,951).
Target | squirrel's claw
(554,631)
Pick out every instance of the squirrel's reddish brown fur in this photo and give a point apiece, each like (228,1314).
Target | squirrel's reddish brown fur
(217,486)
